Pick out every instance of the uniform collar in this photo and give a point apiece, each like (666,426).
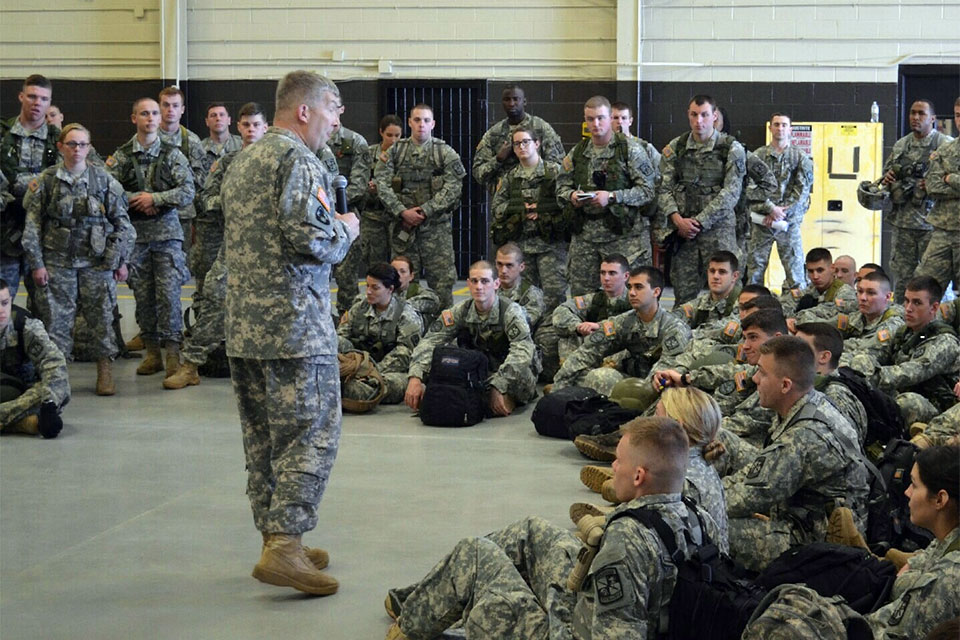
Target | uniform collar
(64,174)
(19,130)
(706,146)
(474,317)
(152,150)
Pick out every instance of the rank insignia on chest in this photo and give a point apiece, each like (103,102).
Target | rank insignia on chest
(740,380)
(843,321)
(447,317)
(383,157)
(731,329)
(883,335)
(580,302)
(608,328)
(322,197)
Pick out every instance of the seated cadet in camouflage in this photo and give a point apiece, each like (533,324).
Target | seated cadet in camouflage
(494,157)
(488,323)
(845,268)
(827,347)
(732,383)
(526,212)
(793,170)
(943,429)
(702,174)
(606,180)
(158,181)
(513,583)
(511,264)
(651,336)
(34,386)
(720,301)
(824,297)
(941,259)
(903,176)
(420,180)
(207,333)
(348,147)
(385,326)
(77,239)
(809,464)
(918,366)
(422,298)
(362,190)
(877,318)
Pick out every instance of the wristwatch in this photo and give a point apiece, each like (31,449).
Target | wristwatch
(613,197)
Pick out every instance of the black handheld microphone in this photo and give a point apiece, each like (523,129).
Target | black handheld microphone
(340,187)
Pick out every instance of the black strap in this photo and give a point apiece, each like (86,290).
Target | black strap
(653,520)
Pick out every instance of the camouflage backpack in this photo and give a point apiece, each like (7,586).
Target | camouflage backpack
(797,612)
(358,367)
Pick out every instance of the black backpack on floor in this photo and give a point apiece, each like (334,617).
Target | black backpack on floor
(548,414)
(455,395)
(884,420)
(888,516)
(596,416)
(861,578)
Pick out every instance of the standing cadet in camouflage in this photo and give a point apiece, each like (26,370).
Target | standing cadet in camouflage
(702,176)
(362,189)
(942,256)
(650,334)
(876,319)
(208,333)
(28,145)
(420,182)
(919,365)
(281,235)
(495,154)
(794,172)
(348,147)
(903,174)
(77,240)
(513,583)
(720,301)
(158,181)
(490,324)
(606,180)
(220,142)
(421,297)
(806,468)
(387,327)
(515,287)
(824,297)
(35,387)
(621,115)
(173,104)
(525,211)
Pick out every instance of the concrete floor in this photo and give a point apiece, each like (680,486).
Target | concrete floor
(134,522)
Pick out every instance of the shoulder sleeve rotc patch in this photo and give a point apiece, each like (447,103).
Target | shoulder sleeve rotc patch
(581,303)
(608,328)
(731,329)
(843,321)
(447,317)
(883,335)
(513,332)
(726,388)
(740,380)
(608,585)
(756,467)
(671,343)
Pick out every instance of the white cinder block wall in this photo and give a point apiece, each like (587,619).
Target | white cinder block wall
(657,40)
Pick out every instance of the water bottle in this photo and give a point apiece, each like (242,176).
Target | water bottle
(874,112)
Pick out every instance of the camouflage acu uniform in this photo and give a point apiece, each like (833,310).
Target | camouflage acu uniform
(544,240)
(712,341)
(77,228)
(511,583)
(425,302)
(706,310)
(23,156)
(730,383)
(859,333)
(158,267)
(502,334)
(623,168)
(389,337)
(942,256)
(208,332)
(759,185)
(529,297)
(808,467)
(375,222)
(429,176)
(839,297)
(918,368)
(944,427)
(213,150)
(590,307)
(845,402)
(208,227)
(649,345)
(793,170)
(33,358)
(702,484)
(488,171)
(280,240)
(923,596)
(701,181)
(192,148)
(348,146)
(911,229)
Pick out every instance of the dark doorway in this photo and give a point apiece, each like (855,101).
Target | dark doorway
(460,110)
(937,82)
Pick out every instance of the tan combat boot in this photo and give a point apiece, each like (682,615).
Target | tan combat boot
(185,376)
(593,476)
(317,557)
(284,564)
(105,384)
(152,363)
(841,529)
(135,343)
(173,358)
(394,633)
(29,425)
